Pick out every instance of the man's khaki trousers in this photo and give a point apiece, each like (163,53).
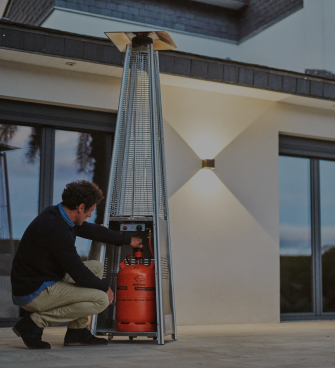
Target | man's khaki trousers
(67,302)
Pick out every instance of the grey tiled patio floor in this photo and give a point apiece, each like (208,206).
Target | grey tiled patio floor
(289,345)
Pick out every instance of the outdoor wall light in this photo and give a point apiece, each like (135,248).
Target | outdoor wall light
(208,164)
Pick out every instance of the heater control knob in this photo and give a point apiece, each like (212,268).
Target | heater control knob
(124,227)
(139,228)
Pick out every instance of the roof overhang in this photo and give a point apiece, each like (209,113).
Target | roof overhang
(56,49)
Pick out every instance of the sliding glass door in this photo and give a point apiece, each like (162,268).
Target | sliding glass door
(327,205)
(19,185)
(295,235)
(42,148)
(307,228)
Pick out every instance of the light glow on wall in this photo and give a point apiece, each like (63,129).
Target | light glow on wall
(207,146)
(205,181)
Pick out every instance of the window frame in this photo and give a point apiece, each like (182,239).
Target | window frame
(315,150)
(50,118)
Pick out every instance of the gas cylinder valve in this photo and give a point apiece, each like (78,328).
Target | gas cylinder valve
(138,254)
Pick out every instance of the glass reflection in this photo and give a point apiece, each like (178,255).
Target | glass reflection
(19,185)
(295,235)
(23,174)
(327,198)
(81,156)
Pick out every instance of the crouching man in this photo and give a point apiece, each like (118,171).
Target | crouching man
(48,277)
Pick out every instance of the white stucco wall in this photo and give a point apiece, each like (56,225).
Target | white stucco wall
(61,87)
(303,40)
(225,248)
(3,4)
(224,224)
(327,25)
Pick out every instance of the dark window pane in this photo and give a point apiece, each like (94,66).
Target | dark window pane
(327,197)
(19,168)
(295,235)
(81,156)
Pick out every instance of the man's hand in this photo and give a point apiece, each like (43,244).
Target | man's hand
(136,242)
(110,295)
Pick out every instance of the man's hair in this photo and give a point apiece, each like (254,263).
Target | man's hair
(81,191)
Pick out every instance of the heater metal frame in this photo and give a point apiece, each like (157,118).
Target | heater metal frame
(165,304)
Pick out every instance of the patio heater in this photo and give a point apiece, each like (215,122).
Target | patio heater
(136,201)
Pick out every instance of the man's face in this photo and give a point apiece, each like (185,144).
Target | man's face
(83,215)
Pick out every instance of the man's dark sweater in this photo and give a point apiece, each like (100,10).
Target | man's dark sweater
(47,252)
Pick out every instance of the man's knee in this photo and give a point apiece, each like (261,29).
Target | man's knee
(96,267)
(102,300)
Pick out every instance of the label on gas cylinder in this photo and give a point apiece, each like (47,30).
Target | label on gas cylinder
(145,288)
(122,287)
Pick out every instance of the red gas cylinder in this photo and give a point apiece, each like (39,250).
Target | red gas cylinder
(136,297)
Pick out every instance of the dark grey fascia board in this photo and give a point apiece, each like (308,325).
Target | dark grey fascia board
(46,41)
(32,39)
(290,145)
(31,113)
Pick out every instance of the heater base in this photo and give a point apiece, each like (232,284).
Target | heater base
(136,327)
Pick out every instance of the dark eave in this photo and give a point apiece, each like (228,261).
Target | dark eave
(56,43)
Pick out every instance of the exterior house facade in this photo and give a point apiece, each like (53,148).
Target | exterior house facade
(252,240)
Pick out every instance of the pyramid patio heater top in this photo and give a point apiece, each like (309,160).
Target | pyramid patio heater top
(137,202)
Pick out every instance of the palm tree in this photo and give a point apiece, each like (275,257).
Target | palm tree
(7,132)
(34,144)
(91,158)
(85,161)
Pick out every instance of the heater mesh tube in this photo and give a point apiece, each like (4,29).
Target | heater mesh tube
(131,186)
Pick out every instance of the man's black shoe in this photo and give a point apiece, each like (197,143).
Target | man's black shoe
(82,337)
(31,334)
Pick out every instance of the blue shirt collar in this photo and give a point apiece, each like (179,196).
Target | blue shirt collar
(65,215)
